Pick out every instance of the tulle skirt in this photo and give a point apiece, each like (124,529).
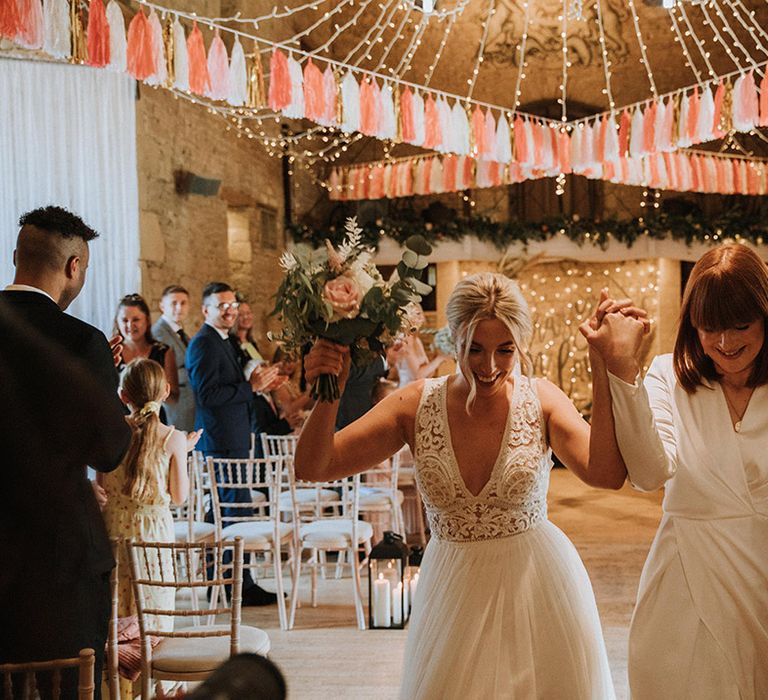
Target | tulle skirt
(506,618)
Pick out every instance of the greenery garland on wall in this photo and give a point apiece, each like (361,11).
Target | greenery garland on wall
(691,228)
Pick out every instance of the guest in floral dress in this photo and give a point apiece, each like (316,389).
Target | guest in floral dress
(152,475)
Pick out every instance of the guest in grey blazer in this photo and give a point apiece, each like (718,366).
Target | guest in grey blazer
(168,329)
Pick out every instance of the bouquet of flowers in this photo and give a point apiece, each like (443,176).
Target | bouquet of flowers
(340,295)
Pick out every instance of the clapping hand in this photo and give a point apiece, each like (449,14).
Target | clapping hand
(116,346)
(101,495)
(267,378)
(192,439)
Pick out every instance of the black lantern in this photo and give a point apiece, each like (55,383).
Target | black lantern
(388,589)
(412,571)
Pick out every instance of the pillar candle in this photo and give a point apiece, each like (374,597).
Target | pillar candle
(397,604)
(381,602)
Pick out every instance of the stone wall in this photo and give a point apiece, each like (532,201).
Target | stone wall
(234,234)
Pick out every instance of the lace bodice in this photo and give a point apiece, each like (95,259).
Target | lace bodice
(515,497)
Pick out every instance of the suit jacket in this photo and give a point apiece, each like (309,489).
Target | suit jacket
(357,398)
(60,412)
(182,413)
(222,394)
(265,420)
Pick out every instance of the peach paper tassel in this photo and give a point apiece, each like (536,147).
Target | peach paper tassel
(199,80)
(139,50)
(30,27)
(478,132)
(717,132)
(521,151)
(98,35)
(279,81)
(407,128)
(694,105)
(314,102)
(330,98)
(432,136)
(746,109)
(764,100)
(624,124)
(218,69)
(649,128)
(9,19)
(450,163)
(369,117)
(490,135)
(160,75)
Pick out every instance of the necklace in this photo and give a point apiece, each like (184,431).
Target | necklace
(739,414)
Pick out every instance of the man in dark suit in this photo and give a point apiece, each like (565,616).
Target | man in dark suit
(168,329)
(357,398)
(223,396)
(60,413)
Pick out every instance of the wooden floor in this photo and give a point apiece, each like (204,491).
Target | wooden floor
(326,656)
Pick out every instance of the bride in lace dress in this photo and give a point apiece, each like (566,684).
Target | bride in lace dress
(504,607)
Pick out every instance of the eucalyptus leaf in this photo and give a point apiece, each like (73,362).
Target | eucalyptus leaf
(418,244)
(418,286)
(410,258)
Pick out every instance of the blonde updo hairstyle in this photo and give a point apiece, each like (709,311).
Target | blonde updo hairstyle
(487,296)
(143,385)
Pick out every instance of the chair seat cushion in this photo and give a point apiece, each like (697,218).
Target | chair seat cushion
(372,497)
(257,534)
(200,654)
(306,498)
(200,531)
(334,534)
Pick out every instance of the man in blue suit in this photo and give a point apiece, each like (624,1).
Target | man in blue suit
(223,396)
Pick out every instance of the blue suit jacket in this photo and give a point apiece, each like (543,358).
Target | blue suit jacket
(222,395)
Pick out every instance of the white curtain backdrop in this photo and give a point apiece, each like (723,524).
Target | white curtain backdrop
(68,137)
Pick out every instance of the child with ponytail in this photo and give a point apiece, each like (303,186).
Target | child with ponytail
(152,475)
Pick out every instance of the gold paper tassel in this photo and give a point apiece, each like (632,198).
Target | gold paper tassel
(339,98)
(676,109)
(169,52)
(79,41)
(398,120)
(257,93)
(726,113)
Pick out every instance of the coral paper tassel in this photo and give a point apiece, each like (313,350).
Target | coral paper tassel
(314,102)
(624,124)
(279,81)
(478,132)
(139,49)
(432,136)
(694,106)
(763,101)
(98,35)
(521,151)
(30,28)
(218,69)
(369,119)
(407,129)
(9,19)
(199,80)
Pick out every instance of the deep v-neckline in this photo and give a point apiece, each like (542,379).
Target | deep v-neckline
(502,446)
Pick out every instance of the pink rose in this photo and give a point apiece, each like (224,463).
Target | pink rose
(344,295)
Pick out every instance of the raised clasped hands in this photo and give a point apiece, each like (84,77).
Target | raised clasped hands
(327,357)
(615,333)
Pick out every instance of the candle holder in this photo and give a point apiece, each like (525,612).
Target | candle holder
(388,586)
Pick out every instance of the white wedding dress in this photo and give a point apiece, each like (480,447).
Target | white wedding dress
(504,607)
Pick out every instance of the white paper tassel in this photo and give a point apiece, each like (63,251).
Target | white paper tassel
(180,57)
(350,100)
(158,50)
(117,42)
(611,141)
(588,147)
(577,164)
(238,76)
(490,136)
(387,120)
(636,148)
(706,118)
(295,110)
(56,28)
(460,129)
(658,126)
(745,104)
(418,119)
(503,152)
(444,118)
